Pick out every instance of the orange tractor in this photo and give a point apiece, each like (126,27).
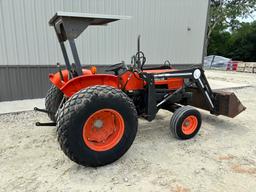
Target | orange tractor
(97,114)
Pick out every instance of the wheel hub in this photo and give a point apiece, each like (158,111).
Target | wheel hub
(186,123)
(189,125)
(103,129)
(98,123)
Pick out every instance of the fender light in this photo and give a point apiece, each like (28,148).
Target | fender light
(93,69)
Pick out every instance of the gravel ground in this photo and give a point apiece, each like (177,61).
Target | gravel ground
(222,157)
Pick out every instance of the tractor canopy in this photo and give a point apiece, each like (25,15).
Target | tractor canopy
(69,25)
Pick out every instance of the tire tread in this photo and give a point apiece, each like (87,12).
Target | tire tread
(81,98)
(52,101)
(175,119)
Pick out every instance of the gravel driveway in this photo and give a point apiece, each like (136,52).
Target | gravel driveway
(222,157)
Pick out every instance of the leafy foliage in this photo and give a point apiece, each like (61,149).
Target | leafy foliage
(227,36)
(240,44)
(226,13)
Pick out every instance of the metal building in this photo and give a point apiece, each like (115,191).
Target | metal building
(169,29)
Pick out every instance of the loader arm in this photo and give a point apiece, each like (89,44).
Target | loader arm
(217,102)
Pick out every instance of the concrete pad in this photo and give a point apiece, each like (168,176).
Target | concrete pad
(20,105)
(219,84)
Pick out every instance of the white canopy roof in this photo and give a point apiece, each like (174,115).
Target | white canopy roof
(94,19)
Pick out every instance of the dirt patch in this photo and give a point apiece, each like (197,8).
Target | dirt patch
(181,189)
(226,157)
(244,169)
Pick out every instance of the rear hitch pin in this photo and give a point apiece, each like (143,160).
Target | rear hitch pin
(41,110)
(45,124)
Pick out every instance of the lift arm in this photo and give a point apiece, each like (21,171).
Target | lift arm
(218,103)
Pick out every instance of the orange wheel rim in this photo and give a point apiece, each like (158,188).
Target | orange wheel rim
(189,125)
(103,130)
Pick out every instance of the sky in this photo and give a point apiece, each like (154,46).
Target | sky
(250,19)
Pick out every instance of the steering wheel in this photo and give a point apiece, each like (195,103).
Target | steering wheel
(140,59)
(168,64)
(116,67)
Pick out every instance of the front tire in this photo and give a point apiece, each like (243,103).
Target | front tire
(97,125)
(185,122)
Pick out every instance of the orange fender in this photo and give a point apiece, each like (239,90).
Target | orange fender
(56,79)
(81,82)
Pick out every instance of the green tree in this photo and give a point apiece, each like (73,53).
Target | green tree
(242,43)
(225,31)
(226,13)
(219,43)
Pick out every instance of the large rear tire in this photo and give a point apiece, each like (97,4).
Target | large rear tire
(97,125)
(52,101)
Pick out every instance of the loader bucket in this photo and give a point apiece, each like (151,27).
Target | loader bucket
(226,103)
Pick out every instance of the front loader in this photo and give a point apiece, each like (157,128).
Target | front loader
(97,114)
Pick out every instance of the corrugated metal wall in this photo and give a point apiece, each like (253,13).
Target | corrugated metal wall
(21,82)
(170,29)
(27,39)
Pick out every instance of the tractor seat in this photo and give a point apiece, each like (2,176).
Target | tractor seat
(118,68)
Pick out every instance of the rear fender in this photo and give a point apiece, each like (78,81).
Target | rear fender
(58,82)
(82,82)
(56,78)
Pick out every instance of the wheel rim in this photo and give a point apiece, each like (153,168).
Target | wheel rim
(103,130)
(189,125)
